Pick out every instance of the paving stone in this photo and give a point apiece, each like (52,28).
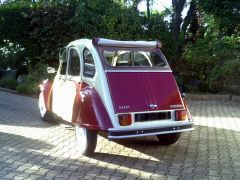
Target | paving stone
(116,178)
(227,176)
(175,172)
(172,177)
(214,177)
(213,172)
(186,176)
(12,175)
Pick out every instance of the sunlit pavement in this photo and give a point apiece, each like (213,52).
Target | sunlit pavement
(32,149)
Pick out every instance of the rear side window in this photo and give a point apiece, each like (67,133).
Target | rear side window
(74,63)
(89,65)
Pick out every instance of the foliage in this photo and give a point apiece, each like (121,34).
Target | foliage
(226,14)
(51,30)
(26,89)
(37,30)
(214,61)
(31,81)
(8,83)
(12,55)
(47,26)
(214,58)
(13,25)
(107,19)
(14,35)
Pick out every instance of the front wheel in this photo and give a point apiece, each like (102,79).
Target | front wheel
(86,140)
(168,139)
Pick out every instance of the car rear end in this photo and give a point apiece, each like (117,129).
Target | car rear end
(143,90)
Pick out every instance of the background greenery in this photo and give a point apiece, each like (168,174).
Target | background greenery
(203,48)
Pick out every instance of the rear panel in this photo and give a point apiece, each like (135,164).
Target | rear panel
(143,91)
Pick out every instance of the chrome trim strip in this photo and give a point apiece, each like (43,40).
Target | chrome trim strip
(135,128)
(149,134)
(138,70)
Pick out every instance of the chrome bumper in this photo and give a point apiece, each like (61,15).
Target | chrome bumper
(131,133)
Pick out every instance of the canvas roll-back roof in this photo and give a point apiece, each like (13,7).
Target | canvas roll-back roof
(117,43)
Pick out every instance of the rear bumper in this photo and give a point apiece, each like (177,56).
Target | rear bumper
(131,133)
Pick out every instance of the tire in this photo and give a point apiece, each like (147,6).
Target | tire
(44,113)
(168,139)
(86,140)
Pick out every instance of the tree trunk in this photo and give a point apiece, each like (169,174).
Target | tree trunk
(178,6)
(148,8)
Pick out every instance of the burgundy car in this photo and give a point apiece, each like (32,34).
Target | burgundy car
(125,88)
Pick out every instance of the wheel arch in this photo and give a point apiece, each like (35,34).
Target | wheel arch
(89,110)
(46,88)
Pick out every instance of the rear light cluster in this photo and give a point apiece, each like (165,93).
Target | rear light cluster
(182,115)
(125,119)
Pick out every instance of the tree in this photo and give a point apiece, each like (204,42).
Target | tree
(179,25)
(226,15)
(214,57)
(178,6)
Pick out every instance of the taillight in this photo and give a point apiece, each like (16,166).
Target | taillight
(125,119)
(182,115)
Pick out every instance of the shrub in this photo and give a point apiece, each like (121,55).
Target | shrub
(215,62)
(8,83)
(26,88)
(35,75)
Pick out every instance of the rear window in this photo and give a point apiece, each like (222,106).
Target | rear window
(133,58)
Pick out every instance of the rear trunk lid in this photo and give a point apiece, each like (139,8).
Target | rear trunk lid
(143,91)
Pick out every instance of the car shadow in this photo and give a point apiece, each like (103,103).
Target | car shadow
(16,142)
(146,154)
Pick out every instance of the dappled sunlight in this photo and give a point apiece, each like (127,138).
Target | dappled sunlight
(219,122)
(216,114)
(28,132)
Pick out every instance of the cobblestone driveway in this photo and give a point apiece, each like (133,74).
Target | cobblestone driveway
(32,149)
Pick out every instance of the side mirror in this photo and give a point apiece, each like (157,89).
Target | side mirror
(183,95)
(51,70)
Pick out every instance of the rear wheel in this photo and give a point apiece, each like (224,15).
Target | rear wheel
(86,140)
(168,139)
(45,114)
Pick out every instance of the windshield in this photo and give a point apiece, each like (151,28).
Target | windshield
(122,58)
